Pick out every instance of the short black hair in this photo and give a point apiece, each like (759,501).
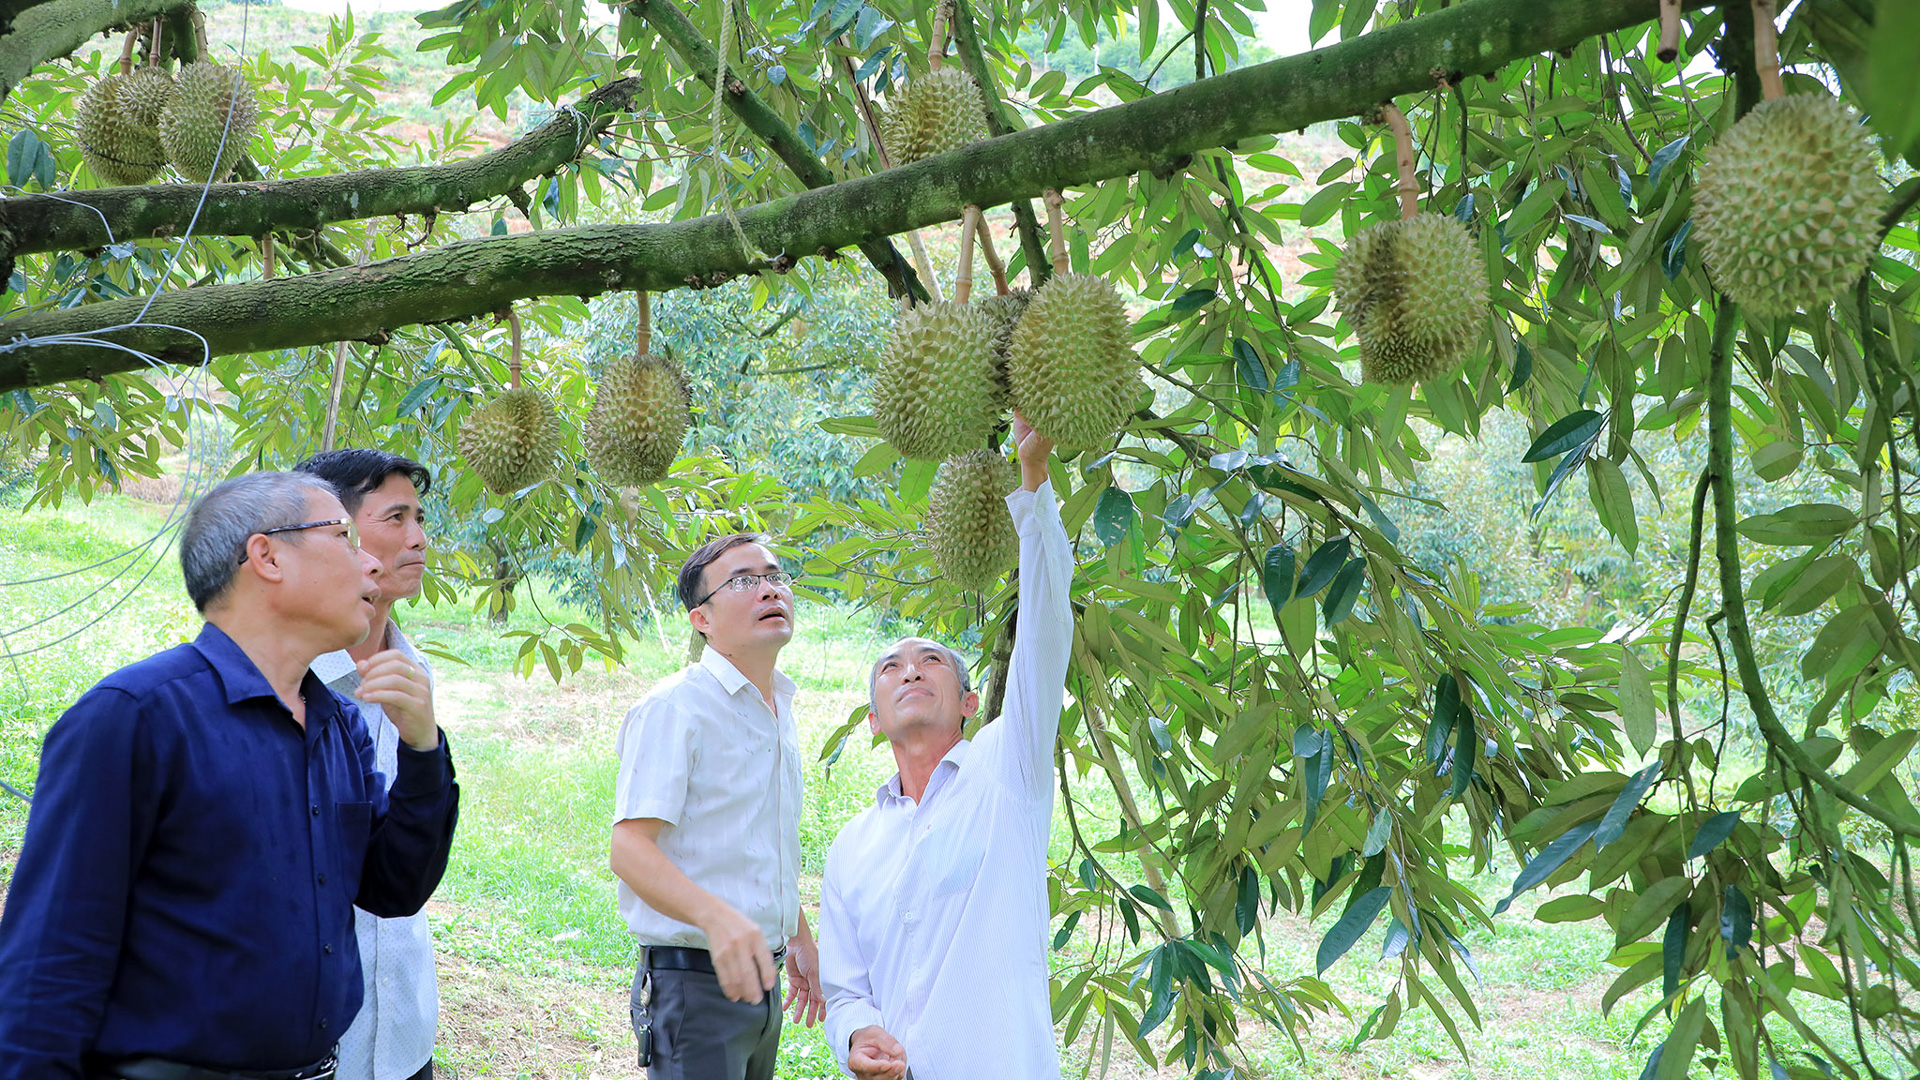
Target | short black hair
(357,473)
(694,572)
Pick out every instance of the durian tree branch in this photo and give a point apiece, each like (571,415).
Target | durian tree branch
(678,31)
(475,277)
(973,60)
(80,220)
(49,31)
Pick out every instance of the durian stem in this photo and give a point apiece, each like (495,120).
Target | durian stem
(1057,227)
(937,47)
(1766,50)
(156,39)
(643,336)
(513,358)
(126,52)
(332,424)
(998,268)
(266,257)
(1669,31)
(200,35)
(963,276)
(1404,160)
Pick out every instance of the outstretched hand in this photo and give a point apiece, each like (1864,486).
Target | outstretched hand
(1033,449)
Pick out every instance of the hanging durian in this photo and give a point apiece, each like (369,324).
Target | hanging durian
(968,527)
(1070,363)
(1414,290)
(116,120)
(934,391)
(1787,205)
(210,119)
(511,441)
(640,414)
(936,112)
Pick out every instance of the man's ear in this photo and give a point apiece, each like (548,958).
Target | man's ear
(970,705)
(698,617)
(873,722)
(262,560)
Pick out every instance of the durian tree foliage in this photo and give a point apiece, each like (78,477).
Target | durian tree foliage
(1289,711)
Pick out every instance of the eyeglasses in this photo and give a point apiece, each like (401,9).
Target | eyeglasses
(779,579)
(353,531)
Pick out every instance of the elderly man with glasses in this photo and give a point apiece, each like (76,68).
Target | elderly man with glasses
(206,819)
(706,835)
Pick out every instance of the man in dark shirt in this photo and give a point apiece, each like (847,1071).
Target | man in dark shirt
(206,819)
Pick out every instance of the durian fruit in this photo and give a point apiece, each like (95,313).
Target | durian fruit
(1787,205)
(1005,311)
(1415,291)
(144,95)
(968,527)
(638,421)
(1071,364)
(937,112)
(193,122)
(118,146)
(933,390)
(511,441)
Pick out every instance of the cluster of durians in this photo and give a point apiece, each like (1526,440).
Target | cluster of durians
(135,122)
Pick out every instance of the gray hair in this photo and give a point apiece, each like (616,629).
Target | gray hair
(220,524)
(954,658)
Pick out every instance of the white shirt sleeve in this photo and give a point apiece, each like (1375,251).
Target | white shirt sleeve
(657,745)
(1020,742)
(845,973)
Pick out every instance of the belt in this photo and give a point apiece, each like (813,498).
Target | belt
(156,1069)
(674,958)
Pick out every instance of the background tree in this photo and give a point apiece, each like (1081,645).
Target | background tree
(1294,704)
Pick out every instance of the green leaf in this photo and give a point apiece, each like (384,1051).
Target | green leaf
(1879,760)
(1325,202)
(1549,859)
(1777,460)
(1608,491)
(1522,368)
(1276,576)
(1736,919)
(878,458)
(1192,300)
(1532,208)
(1716,829)
(1614,823)
(1654,904)
(1247,362)
(1345,591)
(1353,925)
(1636,704)
(417,396)
(1378,833)
(1151,898)
(1246,903)
(1446,708)
(1808,523)
(1816,584)
(1466,750)
(1893,76)
(1322,565)
(1564,434)
(22,150)
(1570,909)
(1676,1054)
(1112,516)
(1673,949)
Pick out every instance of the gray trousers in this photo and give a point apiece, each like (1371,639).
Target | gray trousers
(698,1034)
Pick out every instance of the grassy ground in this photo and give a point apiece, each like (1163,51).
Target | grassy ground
(534,961)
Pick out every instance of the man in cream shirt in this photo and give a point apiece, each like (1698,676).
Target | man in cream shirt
(706,835)
(933,911)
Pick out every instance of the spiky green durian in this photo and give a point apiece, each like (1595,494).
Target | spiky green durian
(115,144)
(511,441)
(639,419)
(1787,205)
(935,113)
(144,95)
(1005,311)
(1071,366)
(968,527)
(933,394)
(201,140)
(1416,293)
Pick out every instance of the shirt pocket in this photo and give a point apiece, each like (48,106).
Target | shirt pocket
(954,855)
(353,823)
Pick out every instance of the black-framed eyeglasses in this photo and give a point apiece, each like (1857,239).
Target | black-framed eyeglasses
(779,579)
(353,531)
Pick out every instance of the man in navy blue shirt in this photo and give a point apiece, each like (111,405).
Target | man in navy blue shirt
(206,819)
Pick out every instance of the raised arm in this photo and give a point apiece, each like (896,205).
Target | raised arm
(1043,631)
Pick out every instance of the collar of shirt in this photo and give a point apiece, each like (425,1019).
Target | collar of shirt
(242,680)
(732,681)
(336,668)
(949,764)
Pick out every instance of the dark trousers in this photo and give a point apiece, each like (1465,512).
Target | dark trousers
(698,1034)
(425,1073)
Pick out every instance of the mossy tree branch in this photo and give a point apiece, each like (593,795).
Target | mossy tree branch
(678,31)
(474,277)
(48,31)
(80,220)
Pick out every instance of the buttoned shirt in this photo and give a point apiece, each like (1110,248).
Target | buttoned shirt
(704,754)
(933,915)
(393,1035)
(186,886)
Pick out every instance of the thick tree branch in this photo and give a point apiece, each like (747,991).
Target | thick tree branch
(47,31)
(967,36)
(79,220)
(672,24)
(475,277)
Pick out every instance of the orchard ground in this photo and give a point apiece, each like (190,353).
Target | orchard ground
(534,960)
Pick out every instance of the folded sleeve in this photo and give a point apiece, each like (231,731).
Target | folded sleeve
(94,806)
(844,971)
(657,745)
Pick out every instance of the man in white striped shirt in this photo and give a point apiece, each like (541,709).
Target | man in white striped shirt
(933,911)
